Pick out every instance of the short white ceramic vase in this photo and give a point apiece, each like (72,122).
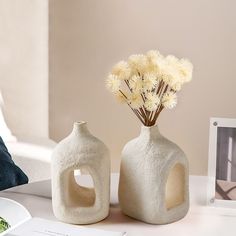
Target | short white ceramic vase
(154,179)
(73,203)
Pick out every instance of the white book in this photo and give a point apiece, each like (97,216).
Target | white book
(42,227)
(22,224)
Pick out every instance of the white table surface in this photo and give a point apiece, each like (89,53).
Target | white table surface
(200,220)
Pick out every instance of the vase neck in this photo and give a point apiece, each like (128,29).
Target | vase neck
(150,132)
(80,128)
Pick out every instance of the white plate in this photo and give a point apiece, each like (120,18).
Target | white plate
(13,212)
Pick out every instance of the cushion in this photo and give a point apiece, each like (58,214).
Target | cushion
(10,174)
(33,155)
(5,132)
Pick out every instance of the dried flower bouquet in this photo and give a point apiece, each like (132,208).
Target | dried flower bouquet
(150,83)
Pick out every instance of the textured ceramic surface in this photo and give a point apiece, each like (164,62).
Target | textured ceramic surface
(73,203)
(154,181)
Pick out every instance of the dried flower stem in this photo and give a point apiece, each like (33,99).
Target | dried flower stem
(160,107)
(146,117)
(136,112)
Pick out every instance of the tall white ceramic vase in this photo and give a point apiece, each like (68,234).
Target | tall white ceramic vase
(154,179)
(73,203)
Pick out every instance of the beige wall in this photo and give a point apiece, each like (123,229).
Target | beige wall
(24,65)
(87,37)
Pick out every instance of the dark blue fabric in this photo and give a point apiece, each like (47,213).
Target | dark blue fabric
(10,174)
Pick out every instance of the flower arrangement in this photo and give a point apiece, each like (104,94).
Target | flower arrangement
(150,83)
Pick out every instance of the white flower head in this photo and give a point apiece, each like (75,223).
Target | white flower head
(176,72)
(177,86)
(162,69)
(136,84)
(169,100)
(122,70)
(152,101)
(149,82)
(169,72)
(138,63)
(173,80)
(135,100)
(155,60)
(153,55)
(185,70)
(113,83)
(171,59)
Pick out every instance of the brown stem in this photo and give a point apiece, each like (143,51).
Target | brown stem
(162,90)
(158,92)
(146,117)
(127,83)
(151,115)
(136,113)
(123,94)
(157,114)
(142,112)
(142,95)
(160,86)
(145,110)
(160,107)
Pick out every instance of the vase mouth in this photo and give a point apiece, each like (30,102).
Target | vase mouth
(80,122)
(80,127)
(150,131)
(149,127)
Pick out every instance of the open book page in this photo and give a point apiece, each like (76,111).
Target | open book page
(15,220)
(41,227)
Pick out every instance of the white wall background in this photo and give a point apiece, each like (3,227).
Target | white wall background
(87,37)
(24,65)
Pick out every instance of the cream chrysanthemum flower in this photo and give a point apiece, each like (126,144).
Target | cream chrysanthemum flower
(135,100)
(169,100)
(113,83)
(185,70)
(136,84)
(152,101)
(152,56)
(122,70)
(177,86)
(177,72)
(169,72)
(149,82)
(162,69)
(138,63)
(171,59)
